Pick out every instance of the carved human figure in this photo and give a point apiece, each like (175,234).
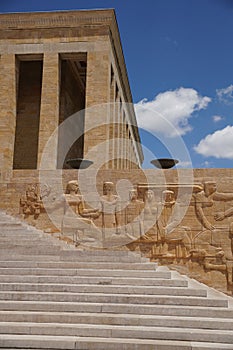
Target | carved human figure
(169,231)
(75,200)
(77,219)
(165,224)
(133,216)
(206,198)
(109,209)
(216,262)
(221,216)
(32,203)
(150,216)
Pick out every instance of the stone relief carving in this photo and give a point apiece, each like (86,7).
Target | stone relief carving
(133,216)
(150,216)
(31,203)
(206,198)
(153,218)
(194,240)
(109,209)
(213,254)
(216,262)
(113,226)
(223,215)
(220,216)
(78,222)
(173,239)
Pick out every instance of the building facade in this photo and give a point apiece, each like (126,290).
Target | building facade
(56,64)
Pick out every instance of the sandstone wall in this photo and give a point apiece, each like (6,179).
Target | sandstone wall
(187,224)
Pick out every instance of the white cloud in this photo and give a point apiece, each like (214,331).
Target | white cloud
(217,118)
(169,112)
(225,95)
(218,145)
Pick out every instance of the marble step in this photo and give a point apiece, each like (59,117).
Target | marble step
(94,280)
(116,308)
(116,331)
(71,263)
(108,289)
(100,266)
(22,246)
(86,272)
(113,298)
(10,224)
(25,250)
(8,234)
(25,237)
(12,256)
(15,255)
(98,254)
(117,319)
(43,243)
(18,230)
(37,342)
(30,240)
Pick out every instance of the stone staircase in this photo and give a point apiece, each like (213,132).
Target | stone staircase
(54,296)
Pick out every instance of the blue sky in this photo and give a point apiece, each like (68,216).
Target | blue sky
(179,56)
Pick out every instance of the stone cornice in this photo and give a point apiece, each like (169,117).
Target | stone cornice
(55,19)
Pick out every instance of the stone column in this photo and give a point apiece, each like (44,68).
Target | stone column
(117,133)
(125,142)
(7,110)
(130,149)
(112,123)
(127,148)
(97,95)
(120,141)
(49,113)
(130,155)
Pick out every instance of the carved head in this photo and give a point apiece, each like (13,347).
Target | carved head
(72,186)
(133,194)
(168,196)
(149,196)
(31,192)
(108,187)
(219,253)
(210,187)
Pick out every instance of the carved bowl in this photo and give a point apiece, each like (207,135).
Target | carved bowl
(164,163)
(79,163)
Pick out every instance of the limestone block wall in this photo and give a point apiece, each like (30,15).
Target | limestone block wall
(182,218)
